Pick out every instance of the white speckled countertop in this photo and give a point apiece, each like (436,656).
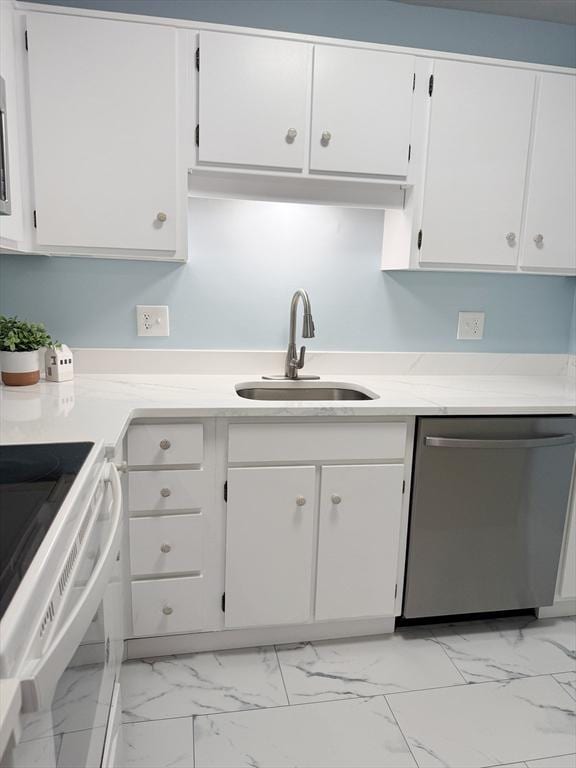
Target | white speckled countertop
(99,407)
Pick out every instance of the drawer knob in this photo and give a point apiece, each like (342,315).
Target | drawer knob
(300,501)
(538,239)
(161,216)
(291,134)
(165,492)
(511,238)
(336,499)
(165,548)
(325,140)
(165,444)
(167,610)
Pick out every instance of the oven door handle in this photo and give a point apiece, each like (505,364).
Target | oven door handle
(39,683)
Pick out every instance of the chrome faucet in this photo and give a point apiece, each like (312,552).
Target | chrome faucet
(295,362)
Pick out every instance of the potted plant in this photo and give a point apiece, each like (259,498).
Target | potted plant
(20,342)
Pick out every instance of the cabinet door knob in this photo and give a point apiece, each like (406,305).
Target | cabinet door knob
(300,501)
(165,444)
(538,239)
(291,134)
(167,610)
(165,492)
(165,548)
(161,216)
(336,499)
(325,140)
(511,238)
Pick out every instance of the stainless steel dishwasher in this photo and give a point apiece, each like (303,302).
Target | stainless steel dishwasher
(488,510)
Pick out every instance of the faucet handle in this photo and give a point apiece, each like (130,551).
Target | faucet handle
(301,358)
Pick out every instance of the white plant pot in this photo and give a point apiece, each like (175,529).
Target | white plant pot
(20,368)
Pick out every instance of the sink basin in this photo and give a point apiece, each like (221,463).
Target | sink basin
(300,390)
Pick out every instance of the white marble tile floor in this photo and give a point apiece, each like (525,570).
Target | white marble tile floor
(473,695)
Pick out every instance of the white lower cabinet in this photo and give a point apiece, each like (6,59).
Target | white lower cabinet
(281,525)
(168,606)
(360,512)
(166,544)
(269,545)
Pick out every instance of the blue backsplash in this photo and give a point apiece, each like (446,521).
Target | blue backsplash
(247,258)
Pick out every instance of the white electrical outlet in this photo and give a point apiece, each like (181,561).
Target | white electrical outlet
(470,325)
(152,321)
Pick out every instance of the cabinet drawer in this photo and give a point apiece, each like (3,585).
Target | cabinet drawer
(166,544)
(158,444)
(316,442)
(167,489)
(166,606)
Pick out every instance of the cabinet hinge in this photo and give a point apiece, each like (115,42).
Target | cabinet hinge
(419,239)
(226,491)
(198,59)
(414,82)
(409,152)
(198,135)
(223,603)
(430,85)
(35,219)
(26,39)
(403,486)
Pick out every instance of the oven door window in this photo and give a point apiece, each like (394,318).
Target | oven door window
(72,732)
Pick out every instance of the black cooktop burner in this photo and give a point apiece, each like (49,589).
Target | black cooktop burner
(34,481)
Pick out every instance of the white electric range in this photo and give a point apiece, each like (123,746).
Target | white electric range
(61,633)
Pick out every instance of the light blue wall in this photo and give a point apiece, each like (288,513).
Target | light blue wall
(246,259)
(377,21)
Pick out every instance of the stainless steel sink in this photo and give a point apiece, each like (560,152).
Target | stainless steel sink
(286,390)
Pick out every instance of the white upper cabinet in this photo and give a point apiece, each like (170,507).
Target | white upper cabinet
(361,111)
(549,236)
(253,96)
(103,106)
(11,226)
(476,166)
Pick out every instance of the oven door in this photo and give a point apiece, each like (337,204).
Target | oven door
(67,692)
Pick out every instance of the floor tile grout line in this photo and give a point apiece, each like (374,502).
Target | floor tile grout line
(193,744)
(282,676)
(345,698)
(445,652)
(402,733)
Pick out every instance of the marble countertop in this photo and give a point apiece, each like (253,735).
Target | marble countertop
(99,407)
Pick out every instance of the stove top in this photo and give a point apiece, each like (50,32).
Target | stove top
(34,481)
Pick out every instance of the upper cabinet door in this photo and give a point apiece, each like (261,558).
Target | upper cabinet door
(253,93)
(361,111)
(104,132)
(476,166)
(549,238)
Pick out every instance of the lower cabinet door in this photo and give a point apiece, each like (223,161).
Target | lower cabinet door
(360,510)
(269,545)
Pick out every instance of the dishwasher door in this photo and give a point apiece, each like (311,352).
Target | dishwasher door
(488,509)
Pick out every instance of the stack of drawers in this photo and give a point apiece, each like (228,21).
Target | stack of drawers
(168,506)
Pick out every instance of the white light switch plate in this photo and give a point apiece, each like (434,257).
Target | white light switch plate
(470,325)
(152,320)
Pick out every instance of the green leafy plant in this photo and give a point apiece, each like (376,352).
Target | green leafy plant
(22,336)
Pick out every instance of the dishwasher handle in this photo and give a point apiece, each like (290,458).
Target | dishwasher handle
(522,442)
